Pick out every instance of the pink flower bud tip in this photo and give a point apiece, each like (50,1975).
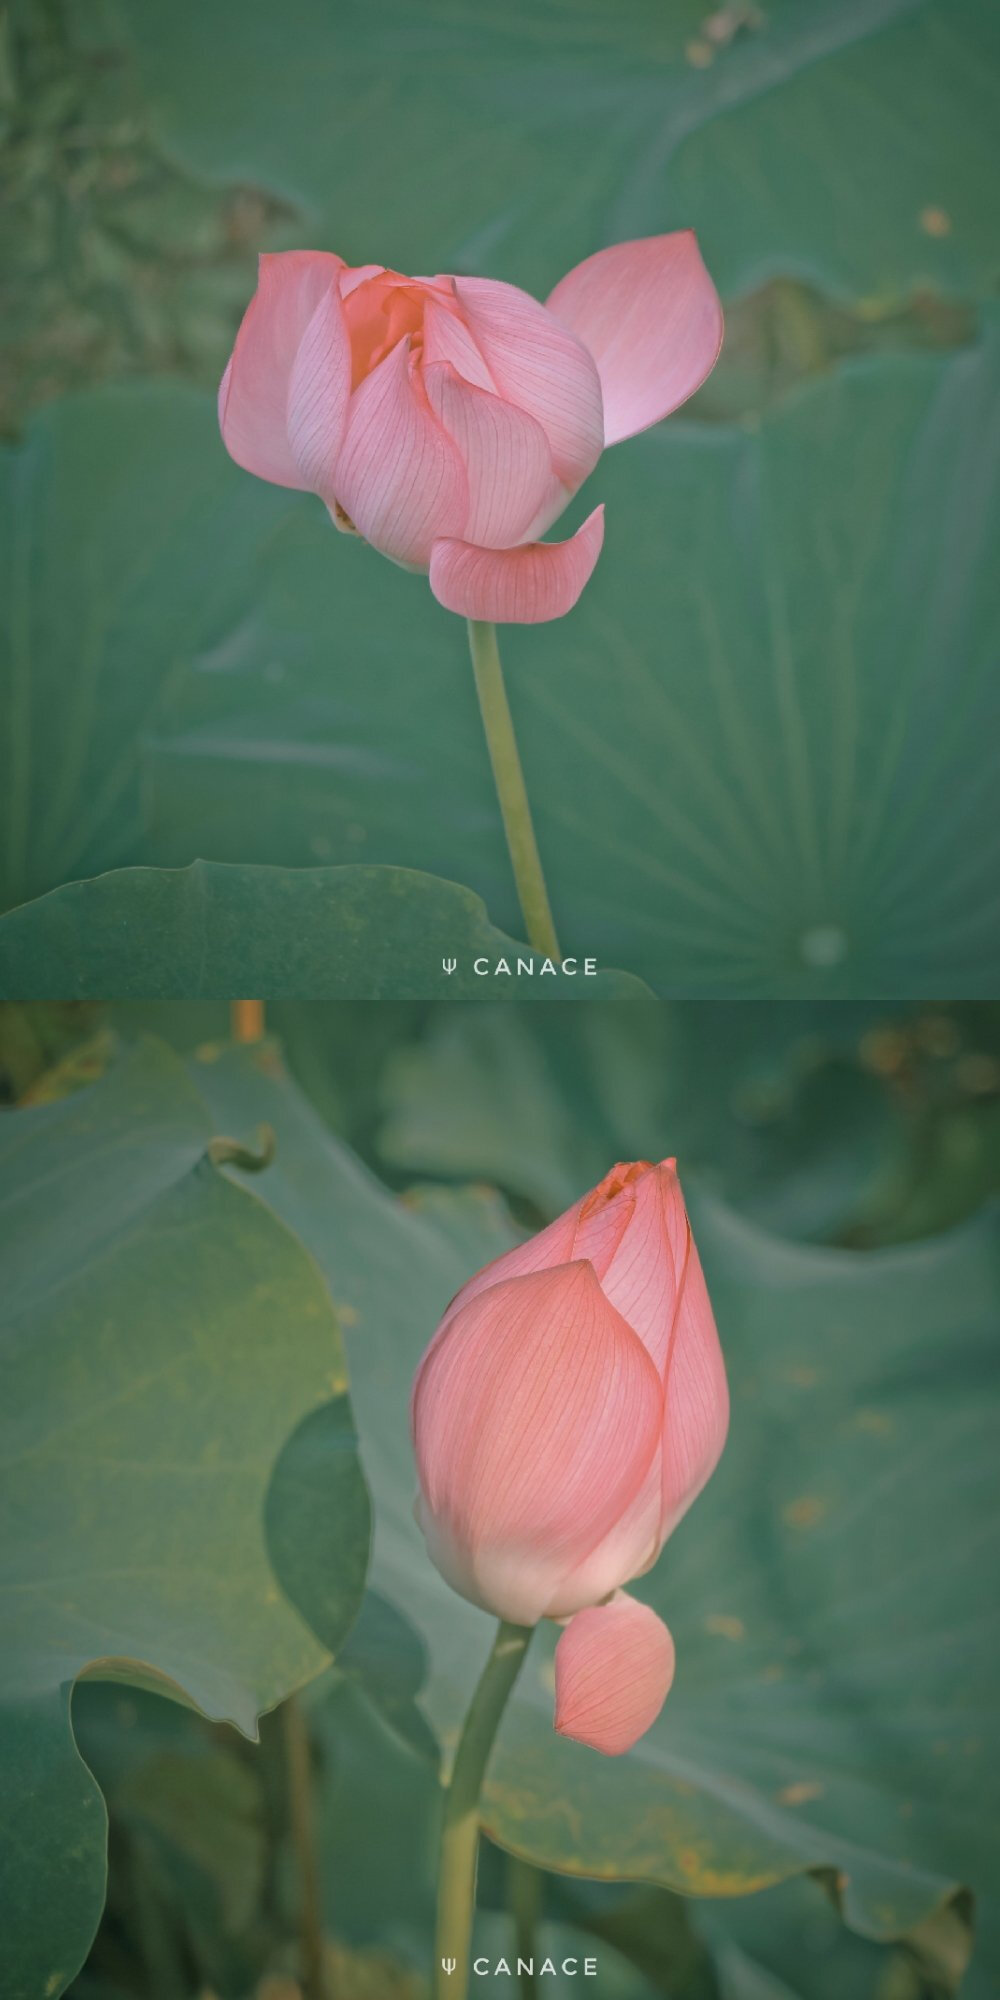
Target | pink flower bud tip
(449,420)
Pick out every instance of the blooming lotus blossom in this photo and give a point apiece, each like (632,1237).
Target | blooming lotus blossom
(568,1410)
(449,420)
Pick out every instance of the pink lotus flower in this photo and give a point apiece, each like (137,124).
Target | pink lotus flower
(449,420)
(568,1410)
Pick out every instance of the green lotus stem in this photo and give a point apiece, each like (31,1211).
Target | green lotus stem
(300,1814)
(460,1823)
(509,780)
(524,1893)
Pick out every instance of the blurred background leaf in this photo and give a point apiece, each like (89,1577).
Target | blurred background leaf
(847,1123)
(163,1335)
(583,125)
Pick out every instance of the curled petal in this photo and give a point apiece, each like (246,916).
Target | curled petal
(354,275)
(540,365)
(614,1669)
(253,395)
(650,316)
(399,476)
(520,586)
(642,1277)
(447,338)
(318,394)
(506,456)
(696,1410)
(536,1416)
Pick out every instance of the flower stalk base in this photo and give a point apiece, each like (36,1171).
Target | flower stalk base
(460,1824)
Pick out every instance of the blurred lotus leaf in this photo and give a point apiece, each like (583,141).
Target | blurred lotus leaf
(164,1334)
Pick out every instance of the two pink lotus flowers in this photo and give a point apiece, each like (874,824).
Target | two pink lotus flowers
(450,420)
(570,1407)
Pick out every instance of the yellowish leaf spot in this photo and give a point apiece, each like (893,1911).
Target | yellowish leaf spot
(935,222)
(802,1377)
(724,1627)
(798,1794)
(883,1050)
(874,1421)
(700,54)
(977,1074)
(804,1512)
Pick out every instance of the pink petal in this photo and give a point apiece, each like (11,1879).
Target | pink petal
(522,586)
(318,394)
(696,1417)
(605,1214)
(642,1278)
(506,456)
(536,1415)
(447,338)
(540,366)
(628,1549)
(650,315)
(253,395)
(591,1230)
(614,1669)
(399,476)
(354,275)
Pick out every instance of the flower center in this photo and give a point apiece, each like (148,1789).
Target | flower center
(382,311)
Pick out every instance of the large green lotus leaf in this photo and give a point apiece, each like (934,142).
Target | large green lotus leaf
(195,664)
(216,928)
(854,140)
(112,584)
(835,1635)
(164,1336)
(759,748)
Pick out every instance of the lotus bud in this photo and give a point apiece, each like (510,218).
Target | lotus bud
(568,1410)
